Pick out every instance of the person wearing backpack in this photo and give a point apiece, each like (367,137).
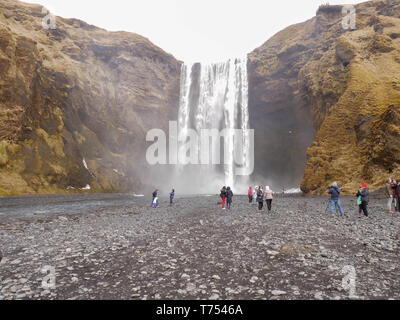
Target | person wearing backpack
(223,197)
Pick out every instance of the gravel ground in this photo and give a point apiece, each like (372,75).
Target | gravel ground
(196,250)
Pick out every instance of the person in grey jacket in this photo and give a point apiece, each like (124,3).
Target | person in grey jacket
(334,191)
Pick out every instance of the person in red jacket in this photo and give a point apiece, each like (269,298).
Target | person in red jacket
(223,196)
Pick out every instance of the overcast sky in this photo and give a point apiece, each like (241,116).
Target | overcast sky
(194,30)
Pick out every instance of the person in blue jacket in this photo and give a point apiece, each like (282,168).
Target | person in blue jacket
(334,191)
(172,196)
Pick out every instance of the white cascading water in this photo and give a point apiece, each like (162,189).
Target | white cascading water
(214,96)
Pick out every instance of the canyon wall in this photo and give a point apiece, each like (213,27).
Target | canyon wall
(76,103)
(327,100)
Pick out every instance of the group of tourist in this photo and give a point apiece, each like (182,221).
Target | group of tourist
(154,201)
(258,196)
(226,195)
(392,192)
(362,200)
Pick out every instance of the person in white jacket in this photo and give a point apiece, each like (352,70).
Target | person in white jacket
(268,197)
(389,195)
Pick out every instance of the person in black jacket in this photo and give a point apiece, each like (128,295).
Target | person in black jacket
(260,198)
(359,202)
(364,193)
(397,195)
(223,196)
(229,196)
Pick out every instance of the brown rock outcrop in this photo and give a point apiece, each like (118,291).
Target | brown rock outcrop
(77,92)
(348,80)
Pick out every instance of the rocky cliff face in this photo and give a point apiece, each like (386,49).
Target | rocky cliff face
(76,103)
(348,81)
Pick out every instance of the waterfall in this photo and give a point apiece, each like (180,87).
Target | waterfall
(214,96)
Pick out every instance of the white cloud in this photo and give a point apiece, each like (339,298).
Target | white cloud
(193,30)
